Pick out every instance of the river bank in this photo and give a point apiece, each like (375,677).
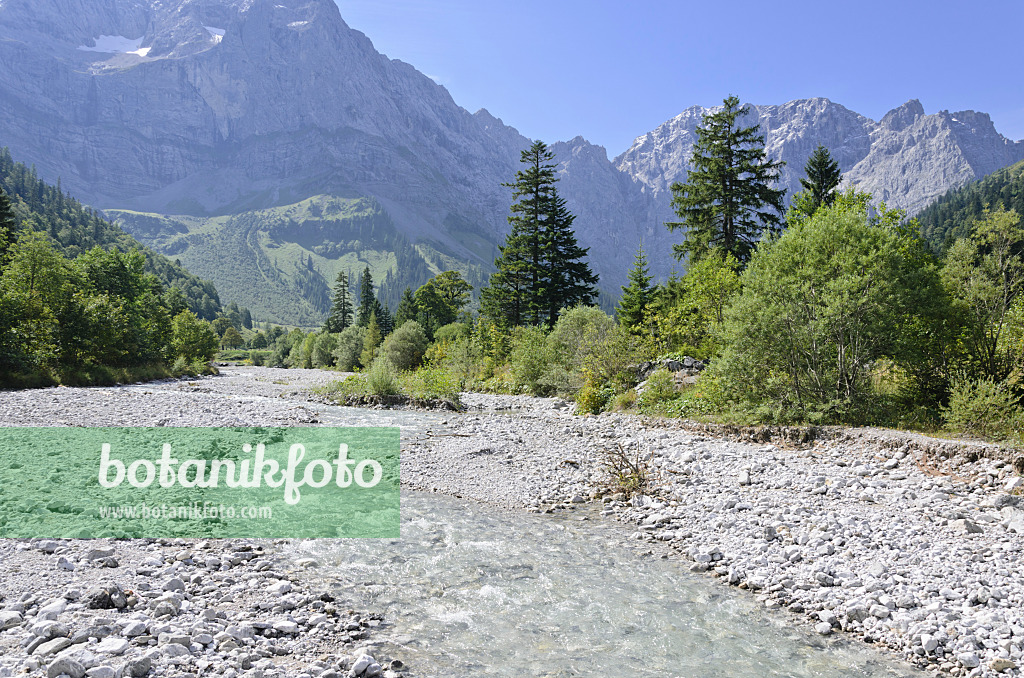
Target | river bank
(866,534)
(905,542)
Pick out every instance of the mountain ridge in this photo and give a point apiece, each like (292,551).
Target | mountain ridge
(220,108)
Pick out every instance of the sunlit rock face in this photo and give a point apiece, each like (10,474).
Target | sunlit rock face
(208,107)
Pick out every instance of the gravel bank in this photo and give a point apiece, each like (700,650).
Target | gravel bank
(905,542)
(869,533)
(129,608)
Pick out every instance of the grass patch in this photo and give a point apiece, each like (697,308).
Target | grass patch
(427,386)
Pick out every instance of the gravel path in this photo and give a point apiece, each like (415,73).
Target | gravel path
(900,540)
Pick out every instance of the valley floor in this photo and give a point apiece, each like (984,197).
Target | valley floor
(899,540)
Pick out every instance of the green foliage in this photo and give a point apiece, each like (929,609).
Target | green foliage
(689,312)
(439,300)
(984,407)
(984,273)
(192,339)
(8,228)
(530,359)
(350,348)
(823,177)
(952,216)
(368,304)
(406,310)
(231,338)
(340,315)
(591,400)
(371,341)
(727,199)
(541,268)
(634,309)
(404,348)
(453,332)
(382,378)
(324,347)
(659,389)
(820,304)
(432,383)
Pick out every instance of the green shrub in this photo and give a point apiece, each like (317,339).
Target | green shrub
(180,367)
(821,303)
(590,400)
(350,347)
(530,359)
(432,383)
(405,347)
(623,401)
(192,338)
(352,385)
(659,389)
(452,332)
(983,407)
(324,347)
(382,378)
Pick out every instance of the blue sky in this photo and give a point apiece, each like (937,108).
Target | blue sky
(613,70)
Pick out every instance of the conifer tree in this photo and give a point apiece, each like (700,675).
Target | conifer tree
(541,268)
(367,301)
(406,310)
(637,296)
(823,177)
(340,315)
(568,281)
(8,226)
(385,320)
(727,198)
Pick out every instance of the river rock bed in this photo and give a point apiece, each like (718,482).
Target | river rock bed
(130,608)
(908,544)
(866,532)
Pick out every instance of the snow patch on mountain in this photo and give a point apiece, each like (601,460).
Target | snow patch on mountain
(116,44)
(216,33)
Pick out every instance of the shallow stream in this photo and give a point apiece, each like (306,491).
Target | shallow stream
(469,590)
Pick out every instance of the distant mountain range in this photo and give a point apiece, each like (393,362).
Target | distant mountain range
(267,146)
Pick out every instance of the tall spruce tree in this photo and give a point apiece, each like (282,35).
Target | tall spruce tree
(385,320)
(637,296)
(340,315)
(367,301)
(727,198)
(541,268)
(406,310)
(823,177)
(569,280)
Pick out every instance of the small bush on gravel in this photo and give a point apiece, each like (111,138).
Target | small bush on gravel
(382,378)
(351,385)
(432,383)
(530,359)
(623,401)
(627,473)
(591,400)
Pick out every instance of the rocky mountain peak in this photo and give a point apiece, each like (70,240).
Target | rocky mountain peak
(902,117)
